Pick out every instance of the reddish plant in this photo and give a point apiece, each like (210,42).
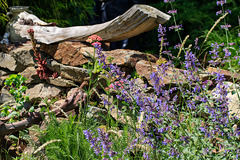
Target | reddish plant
(42,71)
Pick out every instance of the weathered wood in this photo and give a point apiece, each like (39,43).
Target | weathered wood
(138,19)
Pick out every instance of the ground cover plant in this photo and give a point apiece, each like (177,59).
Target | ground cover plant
(187,118)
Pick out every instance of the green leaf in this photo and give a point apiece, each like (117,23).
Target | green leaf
(14,113)
(19,107)
(234,92)
(13,137)
(31,109)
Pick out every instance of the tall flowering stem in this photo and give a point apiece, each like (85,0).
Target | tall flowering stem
(101,144)
(42,71)
(94,40)
(175,27)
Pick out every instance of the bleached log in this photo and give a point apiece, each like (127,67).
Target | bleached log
(138,19)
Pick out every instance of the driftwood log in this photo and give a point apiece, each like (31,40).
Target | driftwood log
(78,96)
(138,19)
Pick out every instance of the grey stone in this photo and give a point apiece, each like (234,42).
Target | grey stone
(5,72)
(8,62)
(97,114)
(234,102)
(24,55)
(5,96)
(43,91)
(69,72)
(31,74)
(18,59)
(61,82)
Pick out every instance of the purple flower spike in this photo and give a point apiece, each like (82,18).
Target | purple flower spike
(227,53)
(176,27)
(228,11)
(101,144)
(167,1)
(219,12)
(225,26)
(221,2)
(174,11)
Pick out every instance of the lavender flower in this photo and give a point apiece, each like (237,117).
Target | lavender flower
(101,144)
(93,141)
(219,12)
(167,1)
(221,2)
(162,31)
(174,11)
(214,53)
(196,44)
(177,46)
(176,27)
(227,53)
(228,11)
(100,56)
(225,26)
(191,61)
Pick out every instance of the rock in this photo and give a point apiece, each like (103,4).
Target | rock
(143,68)
(30,74)
(43,91)
(234,102)
(227,74)
(69,72)
(126,57)
(68,53)
(77,54)
(18,59)
(5,96)
(60,82)
(24,55)
(5,72)
(97,114)
(33,78)
(6,47)
(1,83)
(8,62)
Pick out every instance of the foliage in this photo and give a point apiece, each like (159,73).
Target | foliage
(3,18)
(197,17)
(16,84)
(72,143)
(190,118)
(63,12)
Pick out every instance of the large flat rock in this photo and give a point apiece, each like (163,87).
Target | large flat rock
(68,72)
(40,91)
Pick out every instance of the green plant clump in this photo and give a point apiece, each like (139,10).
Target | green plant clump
(17,88)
